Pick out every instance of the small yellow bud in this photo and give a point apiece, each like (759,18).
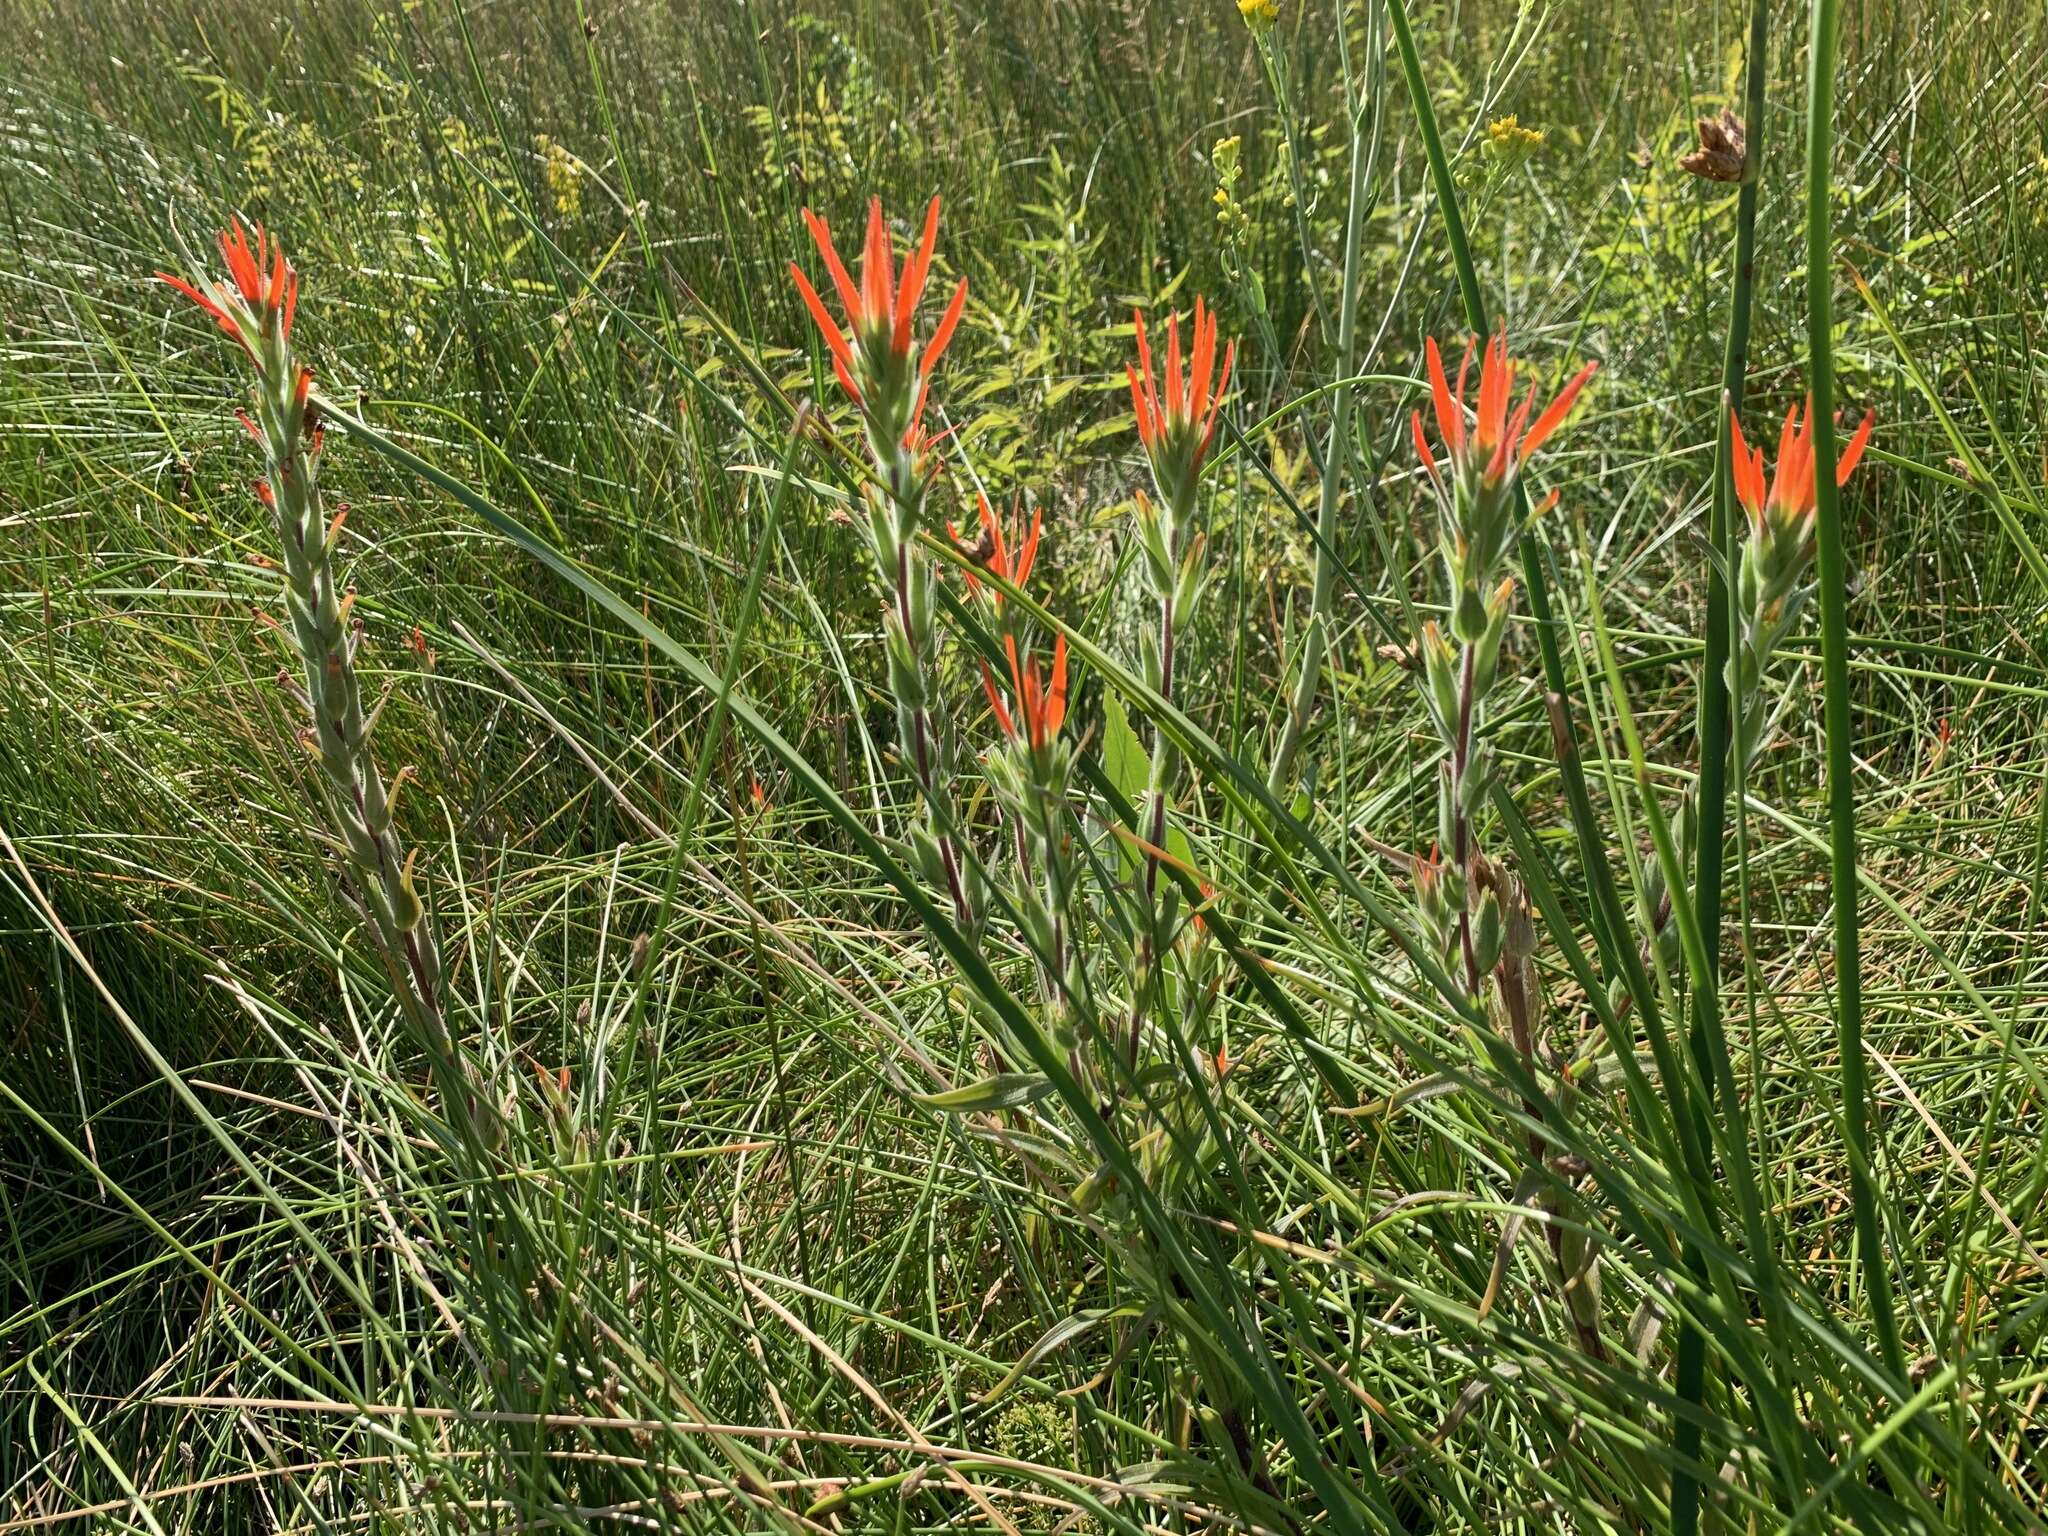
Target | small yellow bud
(1508,142)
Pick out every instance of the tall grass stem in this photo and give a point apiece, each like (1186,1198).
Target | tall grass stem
(1834,642)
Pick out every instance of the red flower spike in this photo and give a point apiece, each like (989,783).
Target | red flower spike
(1041,702)
(881,309)
(260,282)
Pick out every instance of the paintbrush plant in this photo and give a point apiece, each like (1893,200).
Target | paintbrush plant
(1176,415)
(886,371)
(1771,592)
(1475,914)
(255,307)
(1482,514)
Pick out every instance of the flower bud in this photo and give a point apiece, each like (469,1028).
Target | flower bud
(1440,671)
(1486,656)
(407,910)
(1487,931)
(1468,618)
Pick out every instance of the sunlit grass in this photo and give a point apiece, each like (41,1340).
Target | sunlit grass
(737,1269)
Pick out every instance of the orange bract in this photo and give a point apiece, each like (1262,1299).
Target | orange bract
(1043,705)
(1791,492)
(1495,443)
(1009,557)
(881,309)
(264,283)
(1188,402)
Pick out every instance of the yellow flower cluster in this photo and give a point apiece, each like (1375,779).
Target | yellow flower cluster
(1509,142)
(563,174)
(1231,219)
(1259,15)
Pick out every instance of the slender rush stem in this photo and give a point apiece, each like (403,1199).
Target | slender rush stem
(1708,1041)
(1834,646)
(1714,683)
(1323,590)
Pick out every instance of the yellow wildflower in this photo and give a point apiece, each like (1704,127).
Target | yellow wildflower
(1509,140)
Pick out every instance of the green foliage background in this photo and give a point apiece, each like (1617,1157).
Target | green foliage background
(545,245)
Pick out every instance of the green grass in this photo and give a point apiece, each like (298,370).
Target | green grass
(251,1281)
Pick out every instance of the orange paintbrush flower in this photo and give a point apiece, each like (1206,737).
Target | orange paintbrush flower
(1790,500)
(1042,705)
(1177,422)
(872,352)
(263,283)
(1492,449)
(1008,556)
